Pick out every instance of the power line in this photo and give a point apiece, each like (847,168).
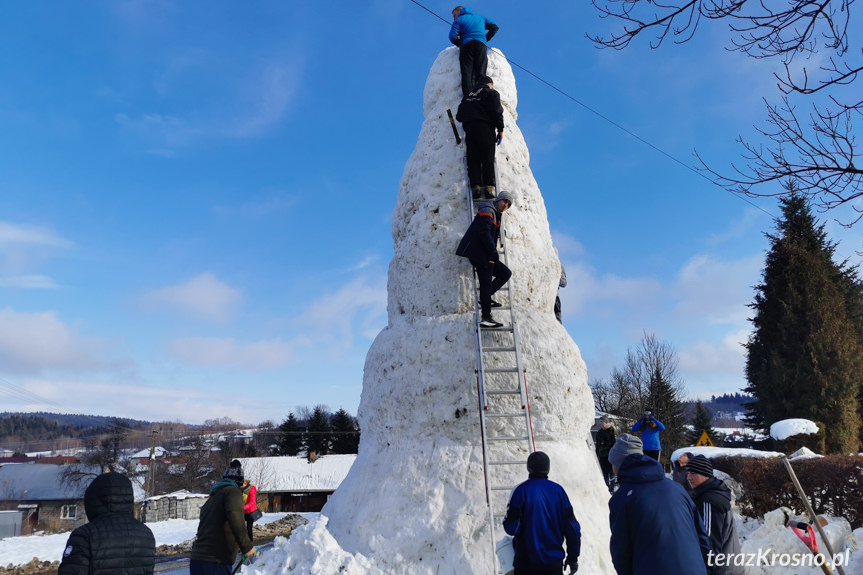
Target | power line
(607,119)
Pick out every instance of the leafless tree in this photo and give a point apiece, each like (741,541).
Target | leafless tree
(815,149)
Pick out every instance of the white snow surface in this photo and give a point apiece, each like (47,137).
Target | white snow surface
(788,427)
(413,502)
(21,550)
(711,452)
(803,453)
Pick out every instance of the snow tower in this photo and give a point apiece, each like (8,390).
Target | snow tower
(414,501)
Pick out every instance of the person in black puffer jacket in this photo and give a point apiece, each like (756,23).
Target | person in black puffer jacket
(113,542)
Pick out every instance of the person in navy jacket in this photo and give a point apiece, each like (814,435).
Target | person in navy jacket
(649,427)
(539,517)
(655,527)
(470,32)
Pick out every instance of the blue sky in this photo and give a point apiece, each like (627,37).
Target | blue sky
(196,197)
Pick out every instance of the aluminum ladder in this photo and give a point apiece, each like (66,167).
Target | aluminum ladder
(504,406)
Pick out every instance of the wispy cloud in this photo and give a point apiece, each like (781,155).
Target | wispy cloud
(23,248)
(713,291)
(738,228)
(201,297)
(24,235)
(34,343)
(28,281)
(228,353)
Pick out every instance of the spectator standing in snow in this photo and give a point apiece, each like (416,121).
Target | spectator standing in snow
(250,505)
(561,284)
(540,517)
(113,541)
(713,502)
(604,443)
(470,32)
(649,427)
(655,528)
(221,529)
(480,113)
(479,245)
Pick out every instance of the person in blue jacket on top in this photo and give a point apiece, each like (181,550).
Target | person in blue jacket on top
(470,32)
(649,427)
(655,528)
(539,517)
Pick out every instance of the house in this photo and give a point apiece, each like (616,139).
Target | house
(296,483)
(46,503)
(6,453)
(177,505)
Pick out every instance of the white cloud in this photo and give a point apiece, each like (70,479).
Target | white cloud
(27,281)
(202,297)
(39,342)
(23,248)
(714,368)
(715,292)
(740,227)
(23,235)
(228,353)
(609,294)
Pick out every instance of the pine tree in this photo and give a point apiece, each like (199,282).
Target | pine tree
(318,436)
(665,398)
(290,438)
(346,433)
(702,423)
(805,357)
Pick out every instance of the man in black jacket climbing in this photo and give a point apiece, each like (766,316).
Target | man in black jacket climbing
(479,245)
(113,542)
(480,113)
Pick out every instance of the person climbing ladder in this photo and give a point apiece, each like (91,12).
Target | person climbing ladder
(481,113)
(479,245)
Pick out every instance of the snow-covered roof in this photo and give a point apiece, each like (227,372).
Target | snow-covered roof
(788,427)
(181,494)
(711,452)
(271,474)
(38,482)
(158,452)
(803,453)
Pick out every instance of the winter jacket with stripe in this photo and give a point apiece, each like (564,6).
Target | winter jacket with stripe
(540,518)
(482,104)
(713,501)
(479,243)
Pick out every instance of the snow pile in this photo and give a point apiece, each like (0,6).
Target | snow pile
(803,453)
(774,548)
(711,452)
(787,427)
(414,500)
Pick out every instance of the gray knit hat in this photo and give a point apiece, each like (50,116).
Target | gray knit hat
(625,445)
(505,196)
(700,465)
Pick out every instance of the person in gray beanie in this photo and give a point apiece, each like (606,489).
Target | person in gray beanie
(654,525)
(479,245)
(540,517)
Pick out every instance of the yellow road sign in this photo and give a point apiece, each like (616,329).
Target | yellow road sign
(704,439)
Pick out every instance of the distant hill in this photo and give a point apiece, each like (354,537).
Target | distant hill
(720,404)
(44,431)
(78,420)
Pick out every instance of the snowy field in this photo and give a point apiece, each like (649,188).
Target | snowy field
(21,550)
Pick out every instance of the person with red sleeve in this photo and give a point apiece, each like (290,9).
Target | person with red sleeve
(250,505)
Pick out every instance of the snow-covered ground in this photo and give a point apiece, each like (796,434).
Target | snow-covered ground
(21,550)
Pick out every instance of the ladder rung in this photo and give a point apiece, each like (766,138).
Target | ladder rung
(505,414)
(498,349)
(503,328)
(519,462)
(502,488)
(507,438)
(502,391)
(501,370)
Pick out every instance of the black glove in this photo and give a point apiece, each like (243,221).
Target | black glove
(572,562)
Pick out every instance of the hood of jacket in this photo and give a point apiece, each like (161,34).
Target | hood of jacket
(465,10)
(639,468)
(108,493)
(714,491)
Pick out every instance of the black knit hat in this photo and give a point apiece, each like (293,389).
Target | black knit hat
(484,80)
(235,472)
(700,465)
(538,463)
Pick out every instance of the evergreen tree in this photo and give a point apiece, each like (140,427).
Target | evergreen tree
(290,437)
(318,436)
(805,357)
(666,400)
(702,423)
(346,433)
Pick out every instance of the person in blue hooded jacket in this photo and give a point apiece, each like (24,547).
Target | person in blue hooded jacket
(649,427)
(470,32)
(540,517)
(655,527)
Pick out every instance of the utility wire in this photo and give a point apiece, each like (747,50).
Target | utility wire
(607,119)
